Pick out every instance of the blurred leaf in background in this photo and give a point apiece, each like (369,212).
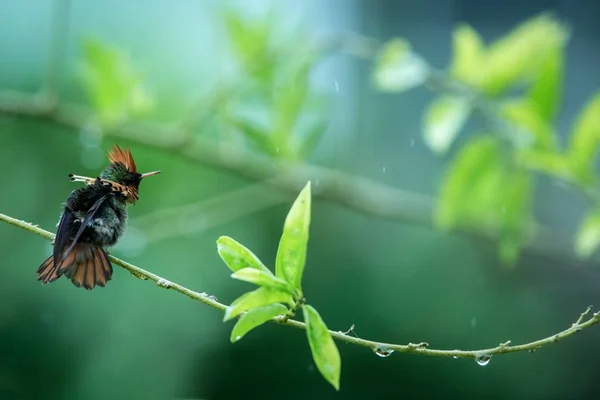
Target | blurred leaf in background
(515,58)
(398,68)
(588,237)
(276,89)
(443,120)
(584,140)
(113,86)
(484,192)
(468,51)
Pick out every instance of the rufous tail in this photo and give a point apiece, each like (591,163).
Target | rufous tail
(86,266)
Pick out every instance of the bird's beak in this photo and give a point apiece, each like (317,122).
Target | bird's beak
(150,174)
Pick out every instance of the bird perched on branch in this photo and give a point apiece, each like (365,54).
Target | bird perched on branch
(94,217)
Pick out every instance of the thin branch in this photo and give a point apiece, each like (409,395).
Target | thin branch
(357,193)
(380,348)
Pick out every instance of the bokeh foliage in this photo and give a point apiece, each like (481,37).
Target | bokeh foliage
(265,101)
(514,85)
(490,182)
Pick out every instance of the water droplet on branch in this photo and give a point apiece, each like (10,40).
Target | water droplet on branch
(383,351)
(483,359)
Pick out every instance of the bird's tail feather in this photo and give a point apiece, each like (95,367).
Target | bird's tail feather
(85,265)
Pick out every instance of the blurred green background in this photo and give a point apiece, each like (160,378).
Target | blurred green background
(176,64)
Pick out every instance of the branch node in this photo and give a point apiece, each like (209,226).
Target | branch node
(163,283)
(417,346)
(505,344)
(207,296)
(139,276)
(583,315)
(351,330)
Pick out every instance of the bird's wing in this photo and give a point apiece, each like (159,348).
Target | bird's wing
(63,231)
(86,220)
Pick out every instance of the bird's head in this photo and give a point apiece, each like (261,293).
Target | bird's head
(122,170)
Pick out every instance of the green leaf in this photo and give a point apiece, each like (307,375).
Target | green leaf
(262,278)
(546,92)
(548,162)
(515,216)
(291,253)
(291,96)
(250,41)
(588,237)
(258,135)
(114,88)
(312,136)
(323,348)
(484,191)
(236,256)
(398,68)
(523,115)
(584,139)
(468,55)
(443,120)
(518,56)
(255,318)
(260,297)
(474,162)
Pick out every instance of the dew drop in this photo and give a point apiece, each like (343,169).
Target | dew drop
(383,351)
(211,297)
(483,359)
(384,170)
(337,86)
(455,357)
(237,338)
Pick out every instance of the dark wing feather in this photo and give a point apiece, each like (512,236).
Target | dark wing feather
(63,232)
(86,220)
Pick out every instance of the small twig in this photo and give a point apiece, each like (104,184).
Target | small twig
(383,349)
(351,330)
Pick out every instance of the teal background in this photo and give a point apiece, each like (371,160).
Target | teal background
(394,281)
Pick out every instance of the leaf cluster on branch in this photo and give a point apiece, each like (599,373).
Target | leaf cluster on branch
(514,85)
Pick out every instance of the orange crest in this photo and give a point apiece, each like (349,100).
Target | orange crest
(118,155)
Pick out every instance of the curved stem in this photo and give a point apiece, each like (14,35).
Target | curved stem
(380,347)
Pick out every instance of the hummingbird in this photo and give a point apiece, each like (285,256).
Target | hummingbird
(93,218)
